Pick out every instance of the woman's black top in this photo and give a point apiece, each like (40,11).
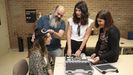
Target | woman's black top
(107,47)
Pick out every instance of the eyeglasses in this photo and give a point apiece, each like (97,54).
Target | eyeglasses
(78,30)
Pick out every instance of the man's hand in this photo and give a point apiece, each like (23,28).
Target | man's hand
(51,31)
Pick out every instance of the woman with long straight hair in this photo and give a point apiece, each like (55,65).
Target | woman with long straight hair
(79,30)
(107,47)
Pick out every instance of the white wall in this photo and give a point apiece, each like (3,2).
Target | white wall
(4,36)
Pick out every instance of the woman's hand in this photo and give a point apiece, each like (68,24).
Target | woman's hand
(50,72)
(33,38)
(69,51)
(95,60)
(93,55)
(78,52)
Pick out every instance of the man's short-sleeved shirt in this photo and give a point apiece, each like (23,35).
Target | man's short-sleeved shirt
(43,22)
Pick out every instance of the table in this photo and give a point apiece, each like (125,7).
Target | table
(124,65)
(124,43)
(91,43)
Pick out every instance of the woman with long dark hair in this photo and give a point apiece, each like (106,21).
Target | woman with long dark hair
(107,47)
(79,30)
(38,56)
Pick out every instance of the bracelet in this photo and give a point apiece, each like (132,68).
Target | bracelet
(80,50)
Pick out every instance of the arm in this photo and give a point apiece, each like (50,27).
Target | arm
(86,36)
(33,37)
(94,58)
(69,31)
(60,33)
(97,46)
(50,72)
(98,43)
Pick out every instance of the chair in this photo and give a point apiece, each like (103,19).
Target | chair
(20,68)
(130,35)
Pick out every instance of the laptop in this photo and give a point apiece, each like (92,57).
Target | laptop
(104,68)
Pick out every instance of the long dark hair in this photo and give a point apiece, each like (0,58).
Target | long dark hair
(84,13)
(39,43)
(106,15)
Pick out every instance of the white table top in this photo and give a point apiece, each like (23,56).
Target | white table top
(124,65)
(124,43)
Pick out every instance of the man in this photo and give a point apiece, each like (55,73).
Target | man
(56,26)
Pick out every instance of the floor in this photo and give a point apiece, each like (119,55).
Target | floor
(8,60)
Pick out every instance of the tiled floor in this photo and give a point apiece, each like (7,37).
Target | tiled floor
(8,60)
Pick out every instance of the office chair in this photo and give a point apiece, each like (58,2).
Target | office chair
(20,68)
(130,35)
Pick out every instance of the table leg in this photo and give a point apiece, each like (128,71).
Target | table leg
(122,49)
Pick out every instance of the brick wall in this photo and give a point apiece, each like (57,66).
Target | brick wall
(121,10)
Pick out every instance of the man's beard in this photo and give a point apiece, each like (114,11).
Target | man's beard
(54,21)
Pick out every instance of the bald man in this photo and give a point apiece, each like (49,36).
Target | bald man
(56,26)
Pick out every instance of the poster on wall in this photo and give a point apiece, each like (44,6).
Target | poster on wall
(30,15)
